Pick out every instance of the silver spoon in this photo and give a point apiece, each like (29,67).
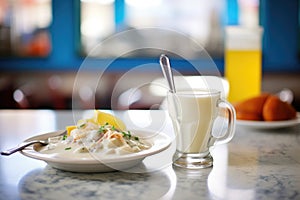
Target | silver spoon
(166,69)
(22,146)
(26,144)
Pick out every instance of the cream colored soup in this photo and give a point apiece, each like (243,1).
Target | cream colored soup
(92,138)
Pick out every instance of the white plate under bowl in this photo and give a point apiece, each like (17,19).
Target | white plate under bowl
(269,125)
(91,163)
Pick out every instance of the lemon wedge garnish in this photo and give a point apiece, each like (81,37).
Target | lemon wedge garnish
(69,129)
(102,118)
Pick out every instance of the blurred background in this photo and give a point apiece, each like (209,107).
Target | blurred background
(43,44)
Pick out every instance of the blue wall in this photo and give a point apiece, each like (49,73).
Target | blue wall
(280,43)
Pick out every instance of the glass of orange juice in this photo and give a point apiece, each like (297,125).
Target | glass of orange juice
(243,61)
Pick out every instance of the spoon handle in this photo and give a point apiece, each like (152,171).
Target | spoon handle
(21,147)
(166,68)
(28,143)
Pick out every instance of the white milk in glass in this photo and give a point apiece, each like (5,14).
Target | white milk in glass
(194,119)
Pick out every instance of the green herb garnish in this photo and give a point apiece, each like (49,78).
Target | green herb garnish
(82,125)
(64,137)
(68,148)
(101,129)
(129,136)
(126,135)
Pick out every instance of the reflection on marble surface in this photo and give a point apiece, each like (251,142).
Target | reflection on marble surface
(192,184)
(49,183)
(221,179)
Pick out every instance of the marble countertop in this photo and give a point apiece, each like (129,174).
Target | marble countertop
(257,164)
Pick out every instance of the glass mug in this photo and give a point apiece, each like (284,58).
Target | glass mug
(193,113)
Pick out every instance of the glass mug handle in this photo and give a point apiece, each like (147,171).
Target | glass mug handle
(231,123)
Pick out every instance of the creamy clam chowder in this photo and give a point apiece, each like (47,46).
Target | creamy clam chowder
(89,137)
